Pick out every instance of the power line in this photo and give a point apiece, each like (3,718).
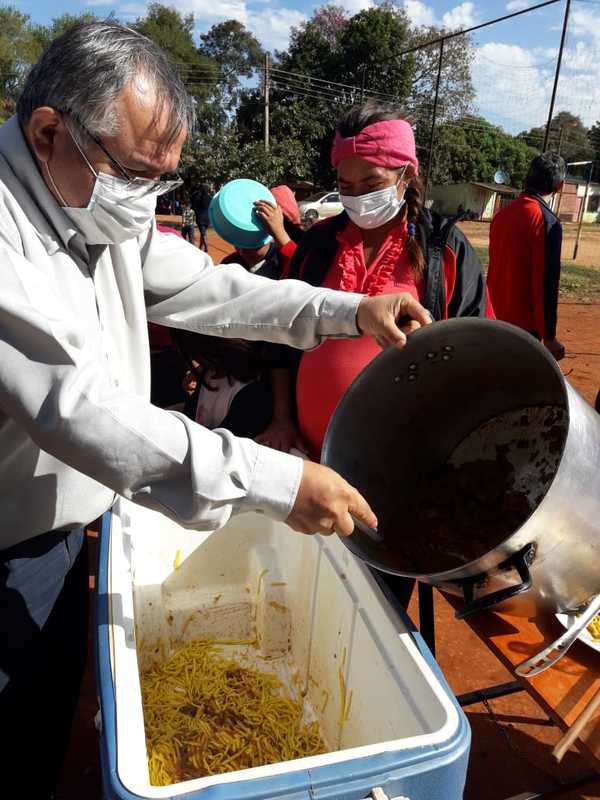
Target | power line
(481,25)
(353,87)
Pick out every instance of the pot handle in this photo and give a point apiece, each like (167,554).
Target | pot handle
(521,561)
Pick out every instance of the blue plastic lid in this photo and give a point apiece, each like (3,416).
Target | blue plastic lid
(232,214)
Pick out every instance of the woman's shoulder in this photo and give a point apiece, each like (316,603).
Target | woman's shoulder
(326,228)
(438,230)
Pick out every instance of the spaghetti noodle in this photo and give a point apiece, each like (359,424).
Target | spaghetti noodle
(205,714)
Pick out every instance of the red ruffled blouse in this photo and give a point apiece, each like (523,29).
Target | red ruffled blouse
(324,374)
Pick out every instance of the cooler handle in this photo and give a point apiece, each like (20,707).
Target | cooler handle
(378,794)
(520,561)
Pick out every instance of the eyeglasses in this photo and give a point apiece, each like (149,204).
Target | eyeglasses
(167,182)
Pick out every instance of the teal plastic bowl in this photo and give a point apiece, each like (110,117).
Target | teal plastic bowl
(232,215)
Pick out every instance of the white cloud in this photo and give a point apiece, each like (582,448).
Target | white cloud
(513,86)
(462,16)
(511,89)
(584,22)
(418,13)
(517,5)
(271,26)
(204,11)
(214,10)
(131,10)
(548,53)
(583,57)
(354,6)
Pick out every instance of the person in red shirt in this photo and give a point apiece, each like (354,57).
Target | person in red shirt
(525,244)
(384,242)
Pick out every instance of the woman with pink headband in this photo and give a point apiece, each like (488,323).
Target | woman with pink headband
(384,242)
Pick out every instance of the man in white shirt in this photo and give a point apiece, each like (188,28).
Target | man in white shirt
(101,119)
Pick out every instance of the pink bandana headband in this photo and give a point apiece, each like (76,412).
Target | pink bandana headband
(389,144)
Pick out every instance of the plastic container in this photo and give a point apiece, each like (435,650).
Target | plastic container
(232,215)
(316,609)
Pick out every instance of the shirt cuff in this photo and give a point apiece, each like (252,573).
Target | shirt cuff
(337,317)
(275,483)
(288,249)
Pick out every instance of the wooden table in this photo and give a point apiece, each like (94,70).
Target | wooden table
(564,689)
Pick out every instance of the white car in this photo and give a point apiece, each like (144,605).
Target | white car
(320,206)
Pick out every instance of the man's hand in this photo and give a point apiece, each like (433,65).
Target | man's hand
(555,347)
(378,317)
(325,501)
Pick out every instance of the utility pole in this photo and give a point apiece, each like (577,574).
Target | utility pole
(560,139)
(556,75)
(362,86)
(434,117)
(583,204)
(266,92)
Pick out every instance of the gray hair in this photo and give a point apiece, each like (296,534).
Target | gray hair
(85,70)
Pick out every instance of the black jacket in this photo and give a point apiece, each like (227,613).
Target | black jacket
(450,260)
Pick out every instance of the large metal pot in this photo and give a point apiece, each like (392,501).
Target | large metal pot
(469,389)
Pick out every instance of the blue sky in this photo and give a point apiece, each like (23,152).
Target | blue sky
(513,62)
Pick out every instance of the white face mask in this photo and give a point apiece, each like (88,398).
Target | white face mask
(118,209)
(373,209)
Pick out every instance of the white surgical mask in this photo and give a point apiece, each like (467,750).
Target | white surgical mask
(373,209)
(118,209)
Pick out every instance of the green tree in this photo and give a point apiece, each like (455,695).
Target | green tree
(332,62)
(594,138)
(237,54)
(44,34)
(471,149)
(174,32)
(456,92)
(369,52)
(568,135)
(210,157)
(18,51)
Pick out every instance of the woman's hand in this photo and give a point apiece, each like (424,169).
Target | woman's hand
(271,217)
(390,317)
(281,435)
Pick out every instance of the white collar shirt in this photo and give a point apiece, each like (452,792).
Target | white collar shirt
(76,423)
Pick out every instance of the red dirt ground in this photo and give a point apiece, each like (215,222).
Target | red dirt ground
(512,744)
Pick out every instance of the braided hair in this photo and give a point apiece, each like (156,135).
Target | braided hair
(351,124)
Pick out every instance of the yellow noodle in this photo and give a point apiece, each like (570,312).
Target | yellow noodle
(594,627)
(205,714)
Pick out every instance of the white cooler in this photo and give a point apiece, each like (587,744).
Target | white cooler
(315,612)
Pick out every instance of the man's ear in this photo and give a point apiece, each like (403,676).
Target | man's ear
(559,188)
(41,130)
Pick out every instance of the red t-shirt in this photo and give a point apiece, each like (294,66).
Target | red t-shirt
(524,271)
(325,373)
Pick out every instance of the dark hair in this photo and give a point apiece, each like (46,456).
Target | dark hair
(351,124)
(234,358)
(546,173)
